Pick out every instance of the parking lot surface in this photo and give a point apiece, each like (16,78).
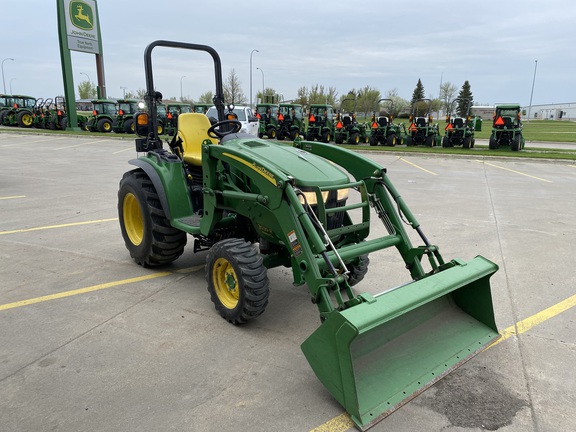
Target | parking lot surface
(92,341)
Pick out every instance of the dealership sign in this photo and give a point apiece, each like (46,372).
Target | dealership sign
(82,26)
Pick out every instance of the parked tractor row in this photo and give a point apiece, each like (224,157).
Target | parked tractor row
(285,121)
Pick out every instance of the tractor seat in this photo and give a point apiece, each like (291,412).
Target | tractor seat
(458,122)
(383,121)
(346,120)
(192,129)
(420,122)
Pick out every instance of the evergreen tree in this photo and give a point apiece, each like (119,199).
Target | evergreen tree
(466,98)
(418,92)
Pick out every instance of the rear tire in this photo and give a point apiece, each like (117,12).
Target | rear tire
(146,230)
(25,119)
(391,140)
(104,125)
(237,280)
(492,144)
(466,142)
(129,126)
(271,132)
(326,137)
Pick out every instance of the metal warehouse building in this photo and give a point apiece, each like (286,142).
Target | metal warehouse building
(554,111)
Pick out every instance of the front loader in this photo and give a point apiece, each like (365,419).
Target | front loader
(321,211)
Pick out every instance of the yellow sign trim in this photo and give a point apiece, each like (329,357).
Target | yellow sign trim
(260,170)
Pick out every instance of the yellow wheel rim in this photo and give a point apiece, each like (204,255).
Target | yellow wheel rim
(27,119)
(107,126)
(133,220)
(225,283)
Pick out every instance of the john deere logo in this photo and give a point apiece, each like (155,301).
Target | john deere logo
(81,15)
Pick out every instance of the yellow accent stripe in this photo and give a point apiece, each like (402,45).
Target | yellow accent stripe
(96,288)
(253,166)
(343,422)
(57,226)
(416,166)
(12,197)
(515,172)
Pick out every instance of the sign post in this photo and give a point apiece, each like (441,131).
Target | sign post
(79,30)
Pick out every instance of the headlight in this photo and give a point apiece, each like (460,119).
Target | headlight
(312,198)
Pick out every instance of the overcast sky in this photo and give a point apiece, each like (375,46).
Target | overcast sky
(342,44)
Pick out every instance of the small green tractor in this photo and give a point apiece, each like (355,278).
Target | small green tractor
(39,111)
(459,130)
(320,123)
(421,130)
(20,113)
(319,210)
(507,128)
(123,121)
(102,118)
(201,108)
(348,129)
(267,115)
(173,110)
(290,121)
(383,130)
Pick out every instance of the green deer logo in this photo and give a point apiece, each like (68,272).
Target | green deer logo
(81,15)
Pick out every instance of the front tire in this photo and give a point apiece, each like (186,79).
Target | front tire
(146,230)
(237,280)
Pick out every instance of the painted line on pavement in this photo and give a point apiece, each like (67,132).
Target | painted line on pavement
(33,142)
(343,422)
(96,288)
(12,197)
(416,166)
(57,226)
(81,144)
(514,171)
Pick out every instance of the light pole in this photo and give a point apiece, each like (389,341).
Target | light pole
(84,73)
(181,78)
(124,91)
(262,82)
(253,51)
(11,84)
(3,82)
(532,92)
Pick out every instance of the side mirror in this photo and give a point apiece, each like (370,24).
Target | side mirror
(141,124)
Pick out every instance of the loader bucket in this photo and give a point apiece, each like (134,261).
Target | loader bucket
(378,355)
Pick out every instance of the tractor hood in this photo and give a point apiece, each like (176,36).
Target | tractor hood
(308,169)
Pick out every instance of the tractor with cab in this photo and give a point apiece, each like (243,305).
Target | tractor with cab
(507,128)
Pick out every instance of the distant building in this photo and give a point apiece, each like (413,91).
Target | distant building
(554,111)
(484,112)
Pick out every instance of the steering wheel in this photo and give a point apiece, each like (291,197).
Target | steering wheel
(213,133)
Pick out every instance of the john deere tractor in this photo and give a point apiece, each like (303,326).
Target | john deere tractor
(421,130)
(256,204)
(201,108)
(320,123)
(458,130)
(348,129)
(267,114)
(383,130)
(173,110)
(123,120)
(290,121)
(20,113)
(102,118)
(507,128)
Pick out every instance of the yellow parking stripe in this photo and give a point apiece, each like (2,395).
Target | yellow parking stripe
(33,142)
(81,144)
(416,166)
(343,422)
(515,172)
(96,288)
(57,226)
(12,197)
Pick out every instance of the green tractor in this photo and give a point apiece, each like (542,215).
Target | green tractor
(102,118)
(383,130)
(267,115)
(320,123)
(173,110)
(459,130)
(348,129)
(507,128)
(201,108)
(123,121)
(421,130)
(21,113)
(290,121)
(256,204)
(39,112)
